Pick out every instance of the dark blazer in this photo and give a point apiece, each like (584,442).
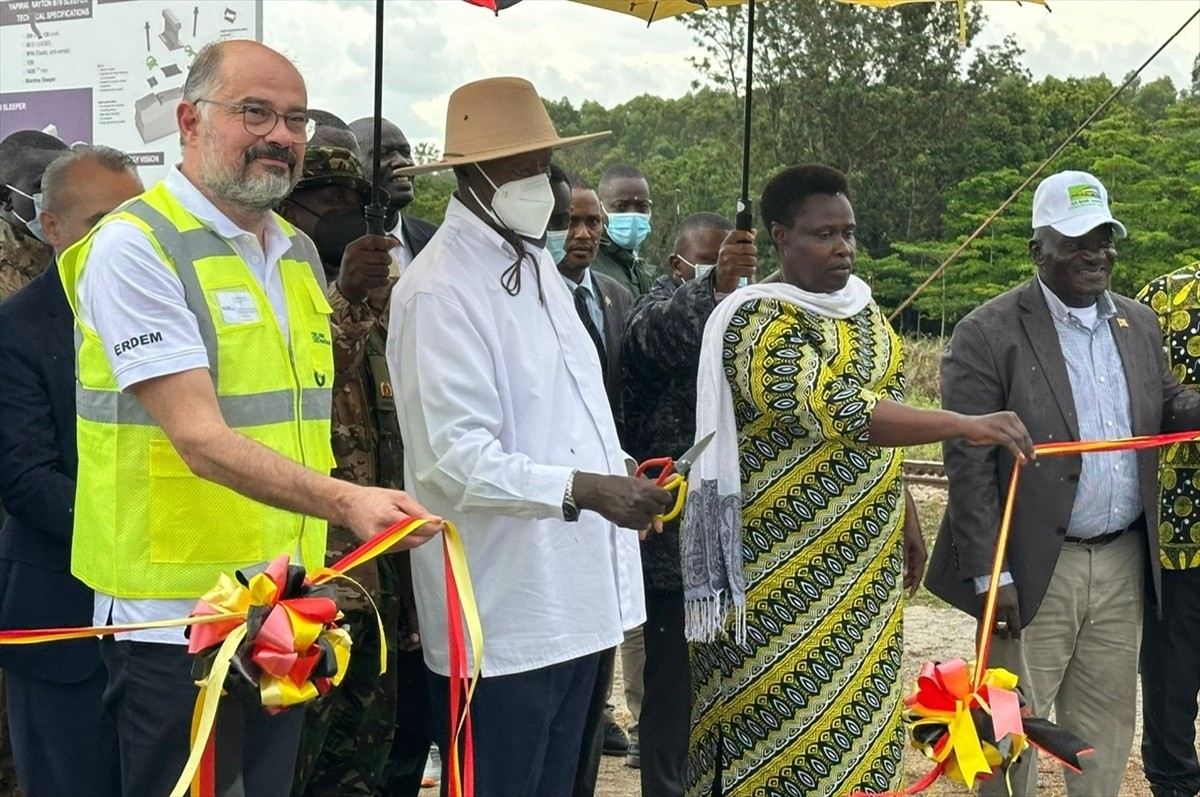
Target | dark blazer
(615,304)
(416,233)
(37,483)
(1005,356)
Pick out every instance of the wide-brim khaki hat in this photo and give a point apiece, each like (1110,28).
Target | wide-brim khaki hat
(496,118)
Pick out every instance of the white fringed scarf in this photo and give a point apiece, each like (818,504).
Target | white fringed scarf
(714,582)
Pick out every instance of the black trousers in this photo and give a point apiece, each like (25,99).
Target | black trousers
(414,728)
(1170,664)
(63,743)
(528,728)
(667,702)
(151,695)
(592,748)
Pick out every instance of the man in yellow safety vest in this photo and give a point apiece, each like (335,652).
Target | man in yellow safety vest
(203,402)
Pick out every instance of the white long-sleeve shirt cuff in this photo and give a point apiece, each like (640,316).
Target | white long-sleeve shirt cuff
(983,582)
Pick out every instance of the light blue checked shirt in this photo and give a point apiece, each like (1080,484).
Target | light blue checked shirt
(1108,497)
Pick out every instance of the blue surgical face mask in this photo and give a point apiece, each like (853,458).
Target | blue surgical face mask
(556,245)
(34,225)
(628,230)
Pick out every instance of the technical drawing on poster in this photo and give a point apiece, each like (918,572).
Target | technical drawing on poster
(110,71)
(154,113)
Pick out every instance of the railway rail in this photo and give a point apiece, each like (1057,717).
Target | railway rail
(917,471)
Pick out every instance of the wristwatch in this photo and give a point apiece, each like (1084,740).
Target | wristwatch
(570,509)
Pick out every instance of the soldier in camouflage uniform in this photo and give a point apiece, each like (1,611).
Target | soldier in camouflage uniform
(347,735)
(24,156)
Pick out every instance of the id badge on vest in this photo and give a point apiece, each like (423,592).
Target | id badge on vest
(237,306)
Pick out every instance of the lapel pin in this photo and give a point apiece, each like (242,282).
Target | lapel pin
(1121,322)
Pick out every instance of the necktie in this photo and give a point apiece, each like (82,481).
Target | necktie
(581,297)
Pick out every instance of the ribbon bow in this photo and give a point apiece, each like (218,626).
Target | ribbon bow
(297,650)
(948,719)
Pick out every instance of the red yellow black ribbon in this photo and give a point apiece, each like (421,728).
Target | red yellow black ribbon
(284,646)
(942,713)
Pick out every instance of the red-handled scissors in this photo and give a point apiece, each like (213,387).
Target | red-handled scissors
(673,473)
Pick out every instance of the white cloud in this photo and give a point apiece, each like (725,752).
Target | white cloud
(570,50)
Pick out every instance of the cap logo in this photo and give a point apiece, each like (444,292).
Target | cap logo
(1084,196)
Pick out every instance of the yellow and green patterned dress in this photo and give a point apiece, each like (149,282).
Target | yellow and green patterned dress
(810,705)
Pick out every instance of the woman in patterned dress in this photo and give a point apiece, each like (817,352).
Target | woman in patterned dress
(805,548)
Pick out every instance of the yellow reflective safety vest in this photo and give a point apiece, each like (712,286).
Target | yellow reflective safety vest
(145,525)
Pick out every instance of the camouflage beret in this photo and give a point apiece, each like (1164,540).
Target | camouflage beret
(333,166)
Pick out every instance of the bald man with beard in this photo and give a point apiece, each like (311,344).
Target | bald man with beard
(197,308)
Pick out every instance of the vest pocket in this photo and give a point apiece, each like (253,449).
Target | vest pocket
(195,521)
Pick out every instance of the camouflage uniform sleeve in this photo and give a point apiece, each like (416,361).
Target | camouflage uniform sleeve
(667,331)
(351,323)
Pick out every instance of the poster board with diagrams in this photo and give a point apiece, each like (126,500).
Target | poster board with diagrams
(110,71)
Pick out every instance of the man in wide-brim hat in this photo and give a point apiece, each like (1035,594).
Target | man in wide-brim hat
(508,431)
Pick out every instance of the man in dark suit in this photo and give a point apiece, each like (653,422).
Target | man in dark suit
(602,302)
(572,240)
(394,153)
(63,742)
(1075,362)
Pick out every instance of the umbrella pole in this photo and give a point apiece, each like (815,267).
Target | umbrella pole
(745,209)
(376,212)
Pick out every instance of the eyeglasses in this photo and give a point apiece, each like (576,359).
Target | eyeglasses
(260,121)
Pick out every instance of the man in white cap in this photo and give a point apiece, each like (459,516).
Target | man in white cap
(507,429)
(1075,362)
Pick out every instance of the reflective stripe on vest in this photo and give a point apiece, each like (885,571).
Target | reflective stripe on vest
(146,526)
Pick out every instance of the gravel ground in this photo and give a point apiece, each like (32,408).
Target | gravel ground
(932,632)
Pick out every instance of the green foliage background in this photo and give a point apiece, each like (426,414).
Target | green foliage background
(933,136)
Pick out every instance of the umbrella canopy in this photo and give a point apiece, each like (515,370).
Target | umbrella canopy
(652,10)
(655,10)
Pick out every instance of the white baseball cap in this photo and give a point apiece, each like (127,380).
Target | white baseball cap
(1074,204)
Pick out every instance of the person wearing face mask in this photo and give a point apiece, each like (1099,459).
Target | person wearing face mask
(507,426)
(63,740)
(395,153)
(24,253)
(661,355)
(625,195)
(602,305)
(24,250)
(327,204)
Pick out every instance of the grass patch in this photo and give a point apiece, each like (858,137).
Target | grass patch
(931,505)
(922,356)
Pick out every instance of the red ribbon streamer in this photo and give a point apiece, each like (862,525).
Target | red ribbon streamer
(462,765)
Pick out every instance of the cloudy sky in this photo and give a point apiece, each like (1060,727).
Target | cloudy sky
(582,53)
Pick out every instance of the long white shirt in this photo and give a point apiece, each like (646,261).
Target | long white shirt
(500,398)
